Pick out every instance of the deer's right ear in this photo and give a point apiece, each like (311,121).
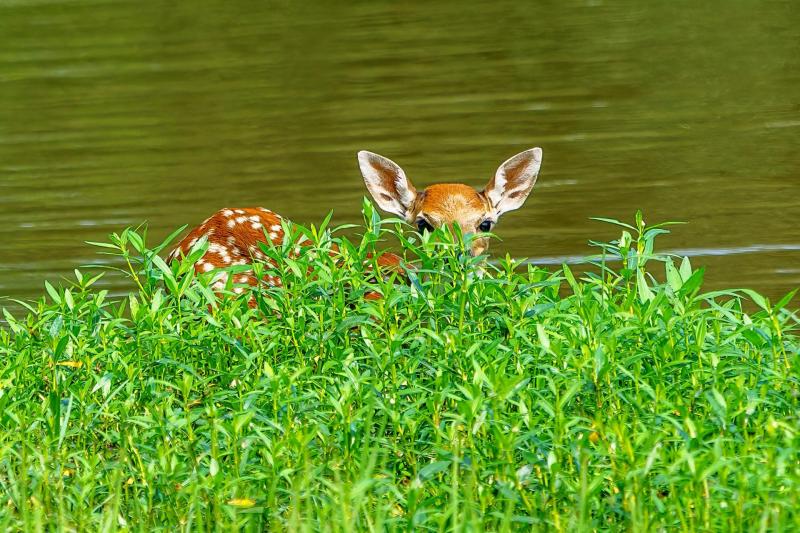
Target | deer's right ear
(387,183)
(513,181)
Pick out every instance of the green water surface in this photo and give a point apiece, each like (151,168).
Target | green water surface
(117,112)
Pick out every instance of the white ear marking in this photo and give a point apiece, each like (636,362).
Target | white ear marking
(513,181)
(387,183)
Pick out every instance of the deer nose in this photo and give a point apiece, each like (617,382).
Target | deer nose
(467,252)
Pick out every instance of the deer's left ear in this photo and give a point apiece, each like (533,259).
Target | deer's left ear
(513,181)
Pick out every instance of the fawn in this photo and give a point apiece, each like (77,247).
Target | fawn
(234,233)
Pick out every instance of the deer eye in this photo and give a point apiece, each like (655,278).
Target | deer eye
(423,225)
(485,226)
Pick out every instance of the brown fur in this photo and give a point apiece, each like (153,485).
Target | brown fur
(447,204)
(450,203)
(234,235)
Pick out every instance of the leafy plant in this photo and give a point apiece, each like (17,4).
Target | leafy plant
(471,396)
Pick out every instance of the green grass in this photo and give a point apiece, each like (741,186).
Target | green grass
(519,399)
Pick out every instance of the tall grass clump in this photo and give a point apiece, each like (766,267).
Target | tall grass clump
(497,397)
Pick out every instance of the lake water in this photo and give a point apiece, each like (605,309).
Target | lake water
(113,113)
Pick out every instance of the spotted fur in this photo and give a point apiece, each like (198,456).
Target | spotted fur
(234,236)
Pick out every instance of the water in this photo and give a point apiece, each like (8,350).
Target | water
(114,113)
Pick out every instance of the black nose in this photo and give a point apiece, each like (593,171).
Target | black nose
(463,255)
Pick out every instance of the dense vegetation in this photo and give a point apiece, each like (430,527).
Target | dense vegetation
(514,399)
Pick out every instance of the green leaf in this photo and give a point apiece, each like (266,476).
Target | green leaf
(12,323)
(55,327)
(570,279)
(645,294)
(693,282)
(60,347)
(785,300)
(136,240)
(614,222)
(68,299)
(544,339)
(169,239)
(103,245)
(430,470)
(52,292)
(759,300)
(652,233)
(674,278)
(686,269)
(168,276)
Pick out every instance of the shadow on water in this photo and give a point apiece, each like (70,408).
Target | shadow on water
(115,112)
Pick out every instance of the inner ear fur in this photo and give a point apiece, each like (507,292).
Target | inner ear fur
(514,180)
(387,183)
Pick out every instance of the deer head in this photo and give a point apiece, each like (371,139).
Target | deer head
(442,204)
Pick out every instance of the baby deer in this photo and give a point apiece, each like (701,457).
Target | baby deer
(234,234)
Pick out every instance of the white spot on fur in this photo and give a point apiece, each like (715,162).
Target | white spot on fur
(238,211)
(208,267)
(227,212)
(238,290)
(231,223)
(241,220)
(231,239)
(276,227)
(256,225)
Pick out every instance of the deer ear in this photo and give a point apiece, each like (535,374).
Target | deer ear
(387,183)
(513,181)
